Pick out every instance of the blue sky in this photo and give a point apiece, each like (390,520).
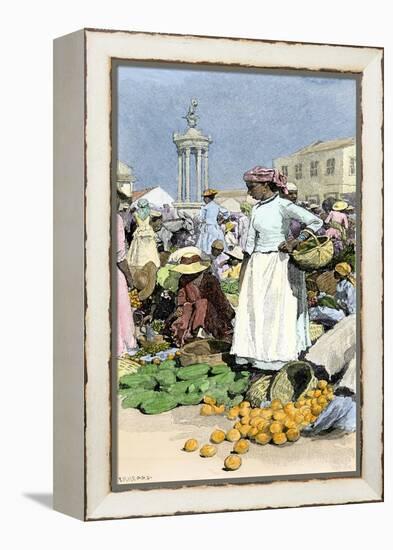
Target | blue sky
(251,118)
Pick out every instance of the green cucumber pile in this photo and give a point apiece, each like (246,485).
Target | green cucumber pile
(156,389)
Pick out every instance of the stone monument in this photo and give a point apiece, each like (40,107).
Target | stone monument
(193,164)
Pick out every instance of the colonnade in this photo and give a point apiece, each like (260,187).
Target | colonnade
(189,171)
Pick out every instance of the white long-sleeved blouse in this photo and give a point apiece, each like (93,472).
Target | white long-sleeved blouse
(269,224)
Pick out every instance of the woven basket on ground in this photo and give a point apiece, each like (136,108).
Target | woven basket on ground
(316,252)
(327,283)
(210,351)
(291,382)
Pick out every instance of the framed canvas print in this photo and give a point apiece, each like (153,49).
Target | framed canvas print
(218,274)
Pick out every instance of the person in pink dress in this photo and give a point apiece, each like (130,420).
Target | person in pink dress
(126,341)
(335,235)
(338,219)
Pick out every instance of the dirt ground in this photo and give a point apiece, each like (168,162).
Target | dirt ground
(151,447)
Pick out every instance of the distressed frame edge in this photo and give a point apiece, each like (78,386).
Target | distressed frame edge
(69,489)
(376,493)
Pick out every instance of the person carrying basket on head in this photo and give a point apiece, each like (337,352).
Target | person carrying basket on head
(272,325)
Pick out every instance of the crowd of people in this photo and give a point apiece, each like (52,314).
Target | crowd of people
(184,283)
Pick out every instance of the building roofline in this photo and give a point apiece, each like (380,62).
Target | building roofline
(319,146)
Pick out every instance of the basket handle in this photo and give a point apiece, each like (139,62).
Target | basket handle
(311,235)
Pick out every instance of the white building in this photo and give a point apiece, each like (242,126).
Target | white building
(156,196)
(322,169)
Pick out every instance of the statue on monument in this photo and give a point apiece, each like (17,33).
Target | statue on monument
(191,116)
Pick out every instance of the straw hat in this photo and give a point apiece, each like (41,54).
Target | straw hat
(190,264)
(210,192)
(218,244)
(144,279)
(345,270)
(340,205)
(236,252)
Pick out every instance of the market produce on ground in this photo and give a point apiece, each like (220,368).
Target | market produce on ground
(278,423)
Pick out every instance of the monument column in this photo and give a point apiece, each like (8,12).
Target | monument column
(187,174)
(206,169)
(179,175)
(191,180)
(198,174)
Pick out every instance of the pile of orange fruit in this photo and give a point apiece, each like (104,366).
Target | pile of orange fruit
(277,424)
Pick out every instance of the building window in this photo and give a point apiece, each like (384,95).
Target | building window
(284,170)
(330,166)
(352,166)
(298,171)
(314,168)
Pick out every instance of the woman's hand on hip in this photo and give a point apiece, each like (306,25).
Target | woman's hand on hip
(288,246)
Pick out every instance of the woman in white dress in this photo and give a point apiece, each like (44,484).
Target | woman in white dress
(143,248)
(271,325)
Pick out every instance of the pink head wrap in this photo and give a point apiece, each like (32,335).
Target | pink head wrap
(259,174)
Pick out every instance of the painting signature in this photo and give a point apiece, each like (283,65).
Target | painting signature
(133,478)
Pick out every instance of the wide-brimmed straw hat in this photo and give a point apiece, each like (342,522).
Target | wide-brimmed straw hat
(144,279)
(340,205)
(190,264)
(235,252)
(210,192)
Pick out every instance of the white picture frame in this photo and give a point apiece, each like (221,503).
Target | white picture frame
(82,334)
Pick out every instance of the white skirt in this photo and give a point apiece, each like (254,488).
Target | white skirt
(271,324)
(143,249)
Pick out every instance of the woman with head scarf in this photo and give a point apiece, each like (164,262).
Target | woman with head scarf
(272,326)
(143,248)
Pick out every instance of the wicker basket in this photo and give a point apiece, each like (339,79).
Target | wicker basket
(327,283)
(291,382)
(317,256)
(210,351)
